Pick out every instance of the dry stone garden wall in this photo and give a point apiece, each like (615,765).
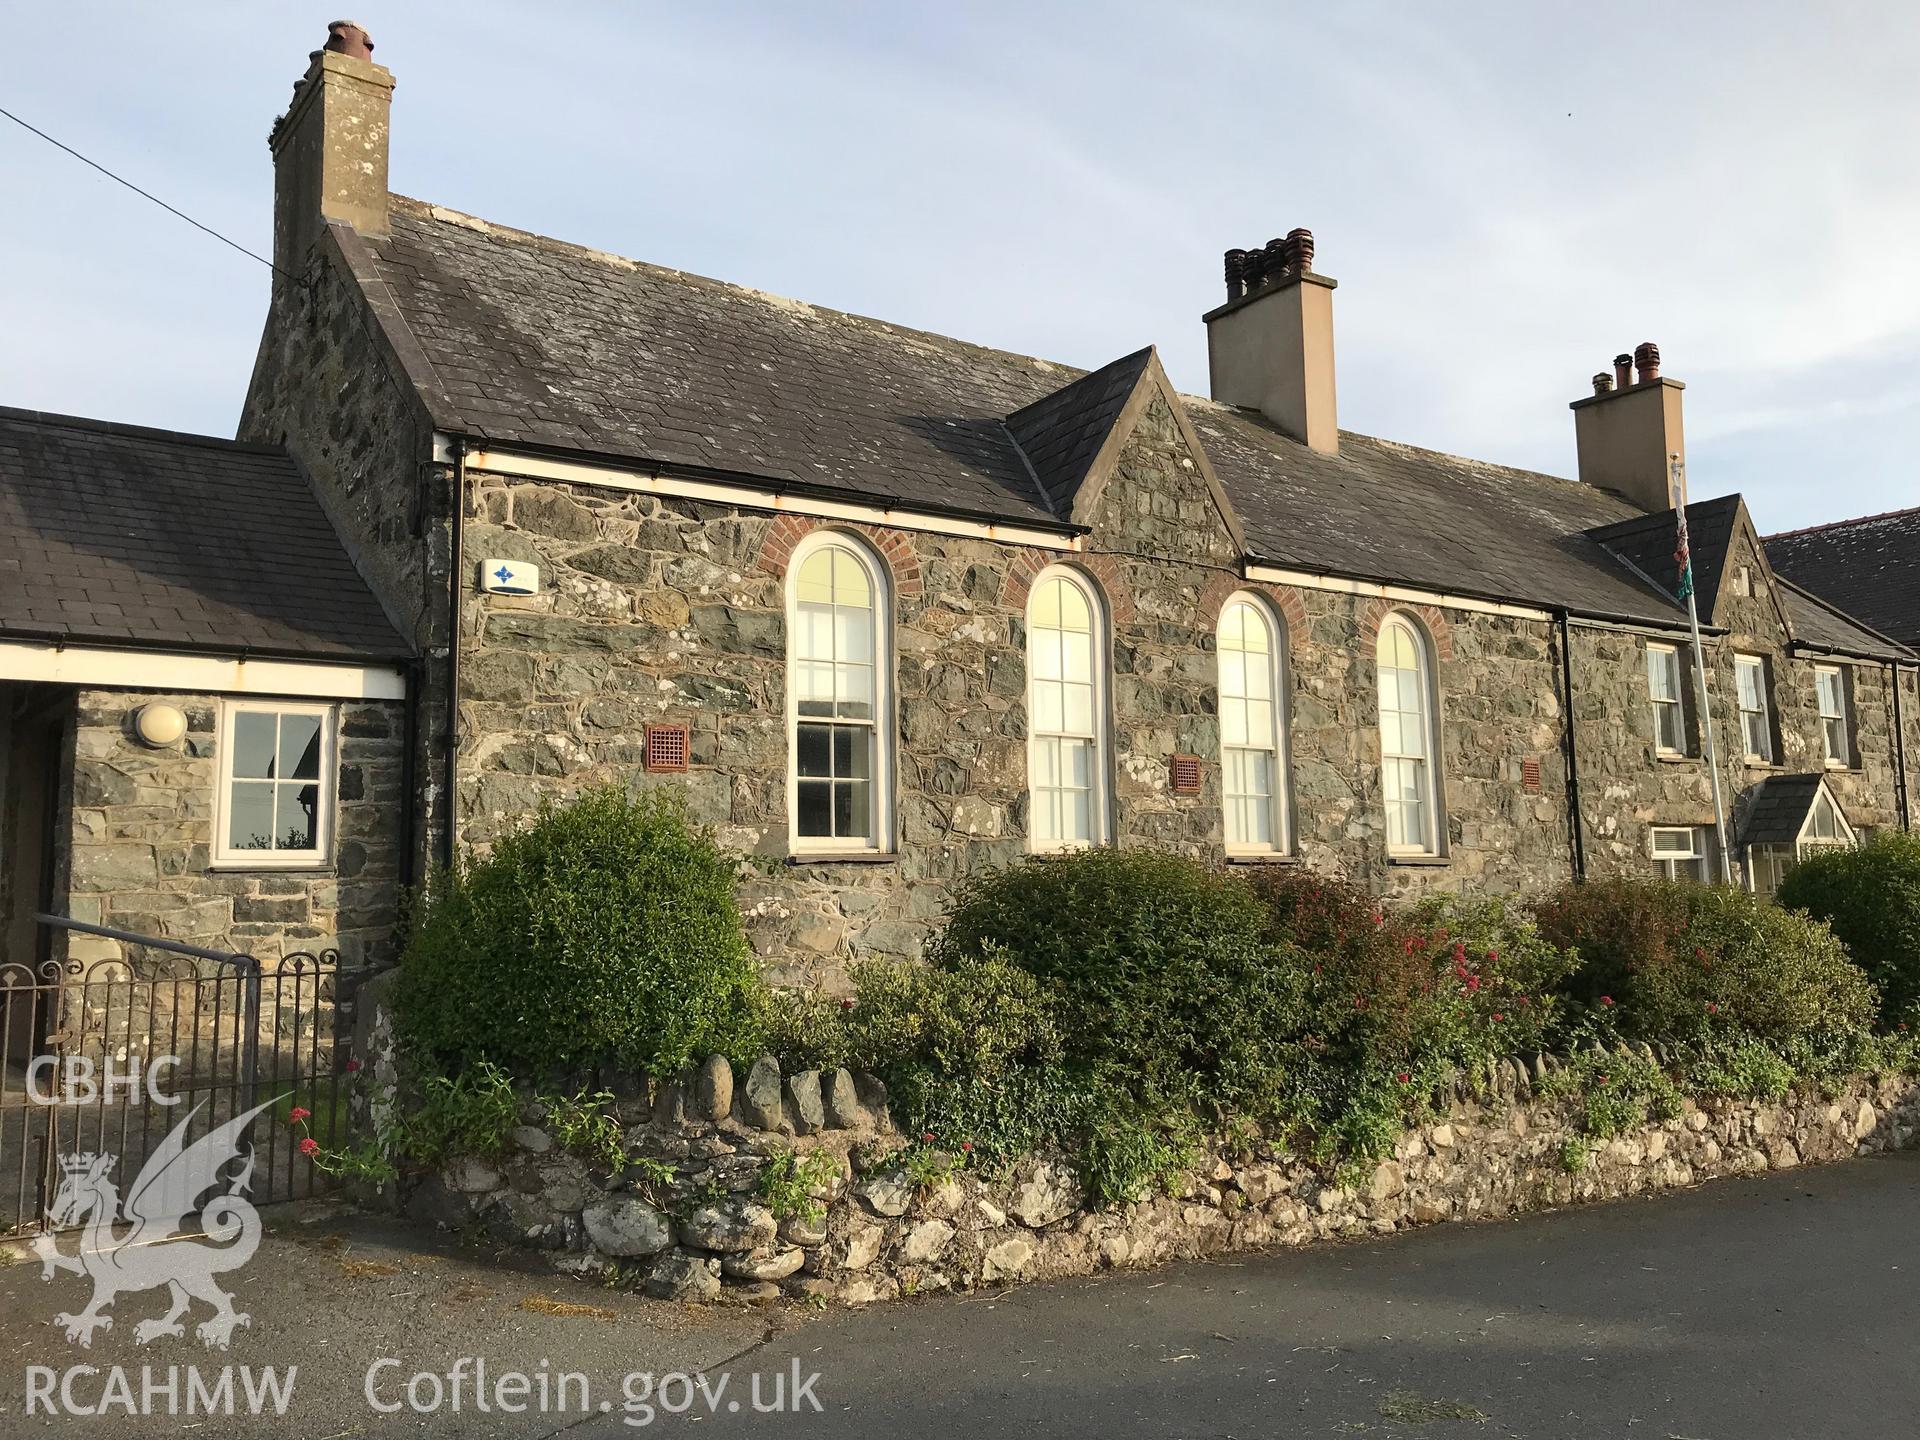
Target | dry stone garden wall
(690,1215)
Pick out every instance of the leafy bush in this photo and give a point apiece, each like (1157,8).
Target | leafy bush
(466,1114)
(1664,960)
(1447,979)
(607,932)
(1871,898)
(1615,1092)
(1160,973)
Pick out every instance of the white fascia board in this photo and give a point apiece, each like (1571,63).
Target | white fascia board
(644,482)
(1307,580)
(104,668)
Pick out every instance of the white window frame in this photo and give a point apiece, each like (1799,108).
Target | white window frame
(1276,671)
(880,791)
(1428,691)
(1099,818)
(1696,854)
(1761,710)
(1667,659)
(222,855)
(1840,715)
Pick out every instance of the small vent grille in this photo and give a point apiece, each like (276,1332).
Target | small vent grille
(1530,774)
(666,747)
(1186,774)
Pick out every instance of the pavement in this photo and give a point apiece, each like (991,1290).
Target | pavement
(1781,1307)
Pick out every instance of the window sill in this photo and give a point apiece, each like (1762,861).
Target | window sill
(1754,762)
(844,857)
(270,867)
(1675,757)
(1428,861)
(1275,857)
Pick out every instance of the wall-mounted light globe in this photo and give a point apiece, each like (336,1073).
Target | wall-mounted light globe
(159,725)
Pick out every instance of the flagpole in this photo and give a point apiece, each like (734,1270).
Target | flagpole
(1677,492)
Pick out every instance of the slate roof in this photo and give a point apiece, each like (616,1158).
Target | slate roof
(117,534)
(1777,808)
(1869,567)
(1061,433)
(1648,543)
(521,340)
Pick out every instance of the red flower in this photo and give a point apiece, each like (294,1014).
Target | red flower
(1493,955)
(1403,1077)
(846,1004)
(1712,1008)
(353,1067)
(1498,1016)
(297,1114)
(927,1138)
(966,1144)
(1473,982)
(1378,918)
(1903,1024)
(1606,1000)
(309,1146)
(1603,1079)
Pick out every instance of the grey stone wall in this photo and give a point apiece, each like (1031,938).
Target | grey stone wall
(135,841)
(690,1214)
(326,386)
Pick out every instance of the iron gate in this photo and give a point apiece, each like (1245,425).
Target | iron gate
(109,1056)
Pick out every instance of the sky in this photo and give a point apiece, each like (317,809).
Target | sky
(1508,194)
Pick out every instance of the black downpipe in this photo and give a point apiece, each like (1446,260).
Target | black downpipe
(456,588)
(1571,748)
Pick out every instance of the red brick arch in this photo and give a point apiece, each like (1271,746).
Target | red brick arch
(1104,569)
(1284,598)
(1437,628)
(787,531)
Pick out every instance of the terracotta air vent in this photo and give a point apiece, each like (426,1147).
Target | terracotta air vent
(666,747)
(1530,774)
(1186,774)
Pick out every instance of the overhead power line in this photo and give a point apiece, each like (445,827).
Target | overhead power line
(144,194)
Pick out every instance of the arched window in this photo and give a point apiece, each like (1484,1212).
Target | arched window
(1252,727)
(1408,750)
(839,705)
(1066,706)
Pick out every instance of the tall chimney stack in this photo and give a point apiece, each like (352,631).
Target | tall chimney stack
(1270,347)
(1626,433)
(330,148)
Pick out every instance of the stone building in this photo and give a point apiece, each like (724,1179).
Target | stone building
(202,708)
(891,608)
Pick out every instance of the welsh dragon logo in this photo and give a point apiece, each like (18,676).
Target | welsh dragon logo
(166,1192)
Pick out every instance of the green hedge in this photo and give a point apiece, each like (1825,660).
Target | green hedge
(1871,898)
(606,932)
(1679,963)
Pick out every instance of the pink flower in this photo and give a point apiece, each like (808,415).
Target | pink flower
(353,1067)
(309,1146)
(966,1144)
(1606,1000)
(1712,1008)
(297,1114)
(1403,1077)
(927,1138)
(1473,982)
(1498,1016)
